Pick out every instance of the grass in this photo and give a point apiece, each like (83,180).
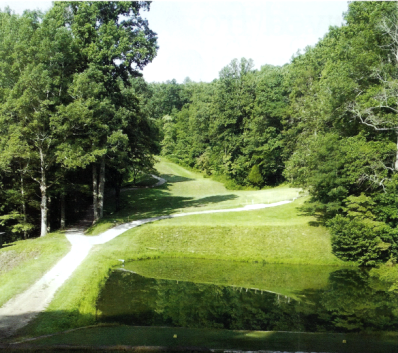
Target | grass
(272,235)
(185,191)
(223,339)
(141,180)
(23,262)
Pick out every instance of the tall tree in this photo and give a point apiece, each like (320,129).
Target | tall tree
(45,68)
(115,43)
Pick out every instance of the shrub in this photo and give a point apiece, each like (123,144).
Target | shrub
(255,177)
(365,241)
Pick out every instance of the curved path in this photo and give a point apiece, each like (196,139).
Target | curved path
(18,311)
(161,181)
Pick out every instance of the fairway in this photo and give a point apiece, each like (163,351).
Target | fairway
(185,191)
(210,194)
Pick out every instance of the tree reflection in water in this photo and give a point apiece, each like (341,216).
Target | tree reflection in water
(351,302)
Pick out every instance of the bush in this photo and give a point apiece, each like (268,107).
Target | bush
(387,273)
(364,241)
(255,177)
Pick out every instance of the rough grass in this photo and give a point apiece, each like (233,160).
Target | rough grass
(25,261)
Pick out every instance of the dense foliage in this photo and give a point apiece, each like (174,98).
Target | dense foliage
(74,111)
(327,121)
(67,105)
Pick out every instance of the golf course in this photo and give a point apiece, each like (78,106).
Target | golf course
(228,240)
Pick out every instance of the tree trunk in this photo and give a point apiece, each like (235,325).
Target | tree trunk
(95,193)
(118,186)
(43,190)
(62,211)
(48,217)
(396,157)
(23,206)
(43,208)
(101,188)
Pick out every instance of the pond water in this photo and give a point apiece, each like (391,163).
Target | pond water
(241,296)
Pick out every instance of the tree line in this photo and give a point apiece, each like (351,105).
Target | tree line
(69,117)
(75,111)
(327,122)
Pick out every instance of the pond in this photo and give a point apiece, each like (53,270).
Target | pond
(194,293)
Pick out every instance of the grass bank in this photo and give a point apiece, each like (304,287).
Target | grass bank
(25,261)
(272,235)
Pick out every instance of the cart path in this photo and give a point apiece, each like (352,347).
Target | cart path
(18,311)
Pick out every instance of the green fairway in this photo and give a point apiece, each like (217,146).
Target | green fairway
(25,261)
(185,191)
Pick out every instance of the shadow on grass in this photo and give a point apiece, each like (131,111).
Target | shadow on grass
(114,338)
(308,209)
(146,203)
(315,223)
(7,245)
(171,178)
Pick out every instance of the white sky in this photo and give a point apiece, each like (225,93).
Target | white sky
(198,38)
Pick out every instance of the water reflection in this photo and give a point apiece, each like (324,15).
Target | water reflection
(353,301)
(350,301)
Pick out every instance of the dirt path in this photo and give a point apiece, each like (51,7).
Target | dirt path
(161,181)
(17,312)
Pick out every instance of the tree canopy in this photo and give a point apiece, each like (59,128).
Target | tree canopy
(67,103)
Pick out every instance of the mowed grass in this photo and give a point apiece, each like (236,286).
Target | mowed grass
(185,191)
(272,235)
(23,262)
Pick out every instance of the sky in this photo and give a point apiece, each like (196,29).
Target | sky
(198,38)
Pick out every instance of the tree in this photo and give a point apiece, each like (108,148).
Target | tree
(378,106)
(115,43)
(360,237)
(255,177)
(232,105)
(44,67)
(263,134)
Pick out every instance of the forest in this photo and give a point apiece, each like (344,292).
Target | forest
(77,118)
(68,115)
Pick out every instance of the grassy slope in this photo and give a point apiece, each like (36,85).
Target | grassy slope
(25,261)
(185,191)
(274,235)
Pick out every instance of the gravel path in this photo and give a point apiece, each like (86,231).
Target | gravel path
(17,312)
